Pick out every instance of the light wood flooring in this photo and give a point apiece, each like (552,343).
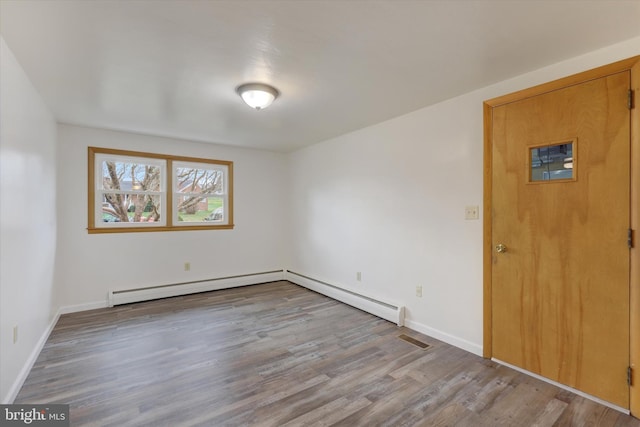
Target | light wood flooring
(280,355)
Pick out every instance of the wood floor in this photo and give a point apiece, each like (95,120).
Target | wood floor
(280,355)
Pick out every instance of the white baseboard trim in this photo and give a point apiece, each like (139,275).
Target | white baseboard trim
(31,360)
(82,307)
(126,296)
(443,336)
(564,387)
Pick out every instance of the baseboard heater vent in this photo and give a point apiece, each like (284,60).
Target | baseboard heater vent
(126,296)
(384,309)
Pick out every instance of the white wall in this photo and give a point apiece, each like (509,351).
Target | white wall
(389,201)
(89,265)
(27,220)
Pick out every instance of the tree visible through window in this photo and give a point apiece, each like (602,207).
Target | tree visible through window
(128,192)
(131,191)
(199,192)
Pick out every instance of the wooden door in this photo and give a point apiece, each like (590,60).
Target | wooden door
(560,289)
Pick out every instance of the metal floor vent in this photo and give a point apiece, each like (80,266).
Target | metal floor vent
(414,341)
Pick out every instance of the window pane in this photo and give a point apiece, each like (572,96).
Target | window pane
(200,209)
(199,180)
(138,207)
(130,176)
(552,162)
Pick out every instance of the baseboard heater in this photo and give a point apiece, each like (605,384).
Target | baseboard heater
(126,296)
(384,309)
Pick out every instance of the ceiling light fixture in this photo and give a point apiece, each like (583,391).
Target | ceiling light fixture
(257,95)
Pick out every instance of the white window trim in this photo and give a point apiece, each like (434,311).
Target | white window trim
(224,196)
(100,192)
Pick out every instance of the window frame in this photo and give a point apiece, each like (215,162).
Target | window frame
(167,192)
(573,142)
(99,192)
(175,164)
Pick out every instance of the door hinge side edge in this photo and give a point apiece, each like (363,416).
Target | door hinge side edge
(630,238)
(630,103)
(629,375)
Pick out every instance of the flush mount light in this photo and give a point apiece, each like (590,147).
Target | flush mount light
(257,95)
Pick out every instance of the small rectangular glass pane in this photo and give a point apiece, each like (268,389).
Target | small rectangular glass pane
(130,176)
(551,162)
(127,207)
(199,180)
(200,209)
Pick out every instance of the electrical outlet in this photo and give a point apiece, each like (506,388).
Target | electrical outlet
(187,266)
(419,291)
(15,334)
(359,276)
(472,212)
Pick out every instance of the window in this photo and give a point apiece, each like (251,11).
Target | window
(129,191)
(199,192)
(133,191)
(553,162)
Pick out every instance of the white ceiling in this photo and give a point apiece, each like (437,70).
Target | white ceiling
(171,67)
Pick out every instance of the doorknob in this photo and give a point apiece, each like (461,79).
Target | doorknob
(500,248)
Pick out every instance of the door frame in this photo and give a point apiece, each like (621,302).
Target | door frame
(632,65)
